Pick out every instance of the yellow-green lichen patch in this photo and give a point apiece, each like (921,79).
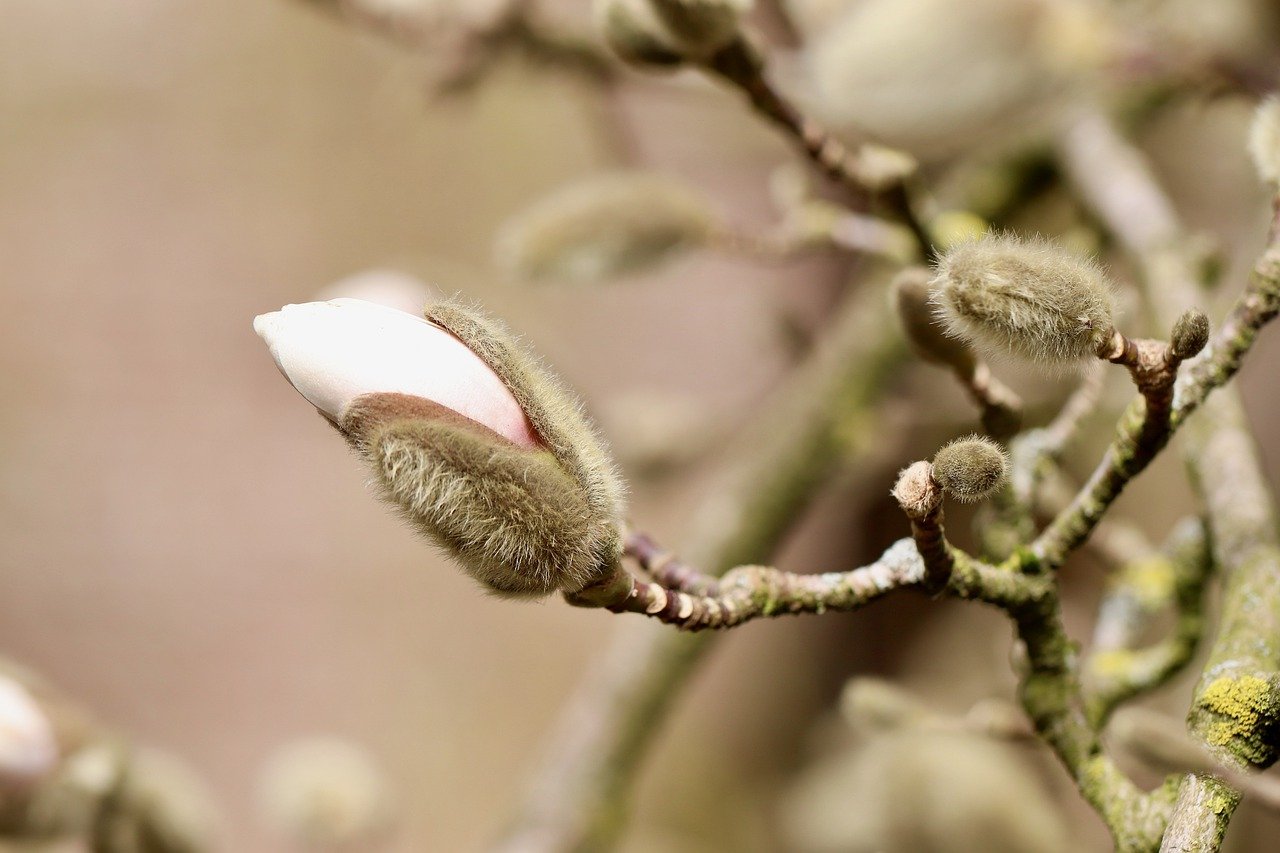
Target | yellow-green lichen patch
(1240,713)
(1151,581)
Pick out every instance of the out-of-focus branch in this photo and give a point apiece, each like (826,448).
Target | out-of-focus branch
(870,175)
(1144,429)
(824,417)
(470,40)
(1115,671)
(1235,705)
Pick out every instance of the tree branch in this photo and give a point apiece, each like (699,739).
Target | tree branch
(824,418)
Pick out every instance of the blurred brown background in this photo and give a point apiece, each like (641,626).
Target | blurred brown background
(190,551)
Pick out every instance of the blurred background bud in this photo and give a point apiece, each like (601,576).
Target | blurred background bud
(915,791)
(701,27)
(910,293)
(28,748)
(326,793)
(1264,140)
(603,227)
(936,76)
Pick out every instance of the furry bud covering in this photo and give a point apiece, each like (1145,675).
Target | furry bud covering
(1190,334)
(1031,299)
(971,469)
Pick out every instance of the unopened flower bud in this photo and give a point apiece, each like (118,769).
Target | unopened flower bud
(28,747)
(971,469)
(701,27)
(1190,334)
(1264,141)
(336,351)
(327,793)
(1027,298)
(480,448)
(633,31)
(604,227)
(910,292)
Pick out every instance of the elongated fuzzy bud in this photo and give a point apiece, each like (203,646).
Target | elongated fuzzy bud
(910,292)
(514,519)
(1264,141)
(528,508)
(633,31)
(1190,334)
(701,27)
(604,227)
(1027,298)
(971,469)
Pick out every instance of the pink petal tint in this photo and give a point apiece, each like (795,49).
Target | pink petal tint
(28,747)
(336,351)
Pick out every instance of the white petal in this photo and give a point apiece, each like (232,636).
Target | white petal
(335,351)
(28,749)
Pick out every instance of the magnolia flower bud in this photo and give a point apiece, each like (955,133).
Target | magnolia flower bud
(910,292)
(1264,141)
(334,352)
(632,30)
(971,469)
(28,747)
(1190,334)
(603,227)
(327,793)
(701,27)
(669,32)
(1027,298)
(481,449)
(936,77)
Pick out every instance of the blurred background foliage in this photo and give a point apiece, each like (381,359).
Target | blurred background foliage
(190,552)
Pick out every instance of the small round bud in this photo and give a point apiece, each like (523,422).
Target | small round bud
(632,30)
(971,469)
(1264,141)
(1027,298)
(327,793)
(603,227)
(910,293)
(701,27)
(916,491)
(1190,333)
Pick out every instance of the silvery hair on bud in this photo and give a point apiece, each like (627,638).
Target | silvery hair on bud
(514,518)
(557,416)
(971,469)
(1028,298)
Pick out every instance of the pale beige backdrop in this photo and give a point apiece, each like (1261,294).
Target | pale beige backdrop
(190,550)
